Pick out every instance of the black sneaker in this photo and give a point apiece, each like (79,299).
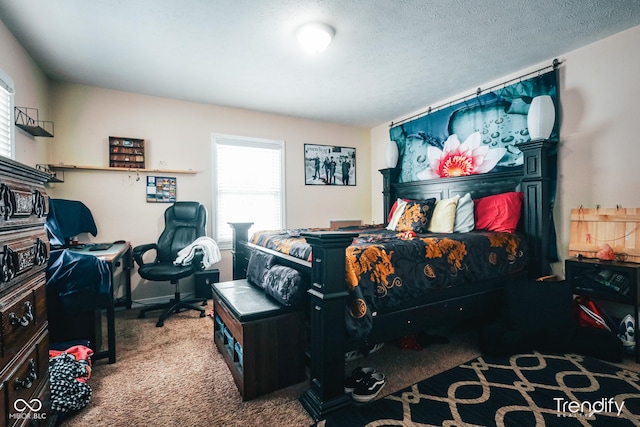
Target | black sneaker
(369,387)
(357,375)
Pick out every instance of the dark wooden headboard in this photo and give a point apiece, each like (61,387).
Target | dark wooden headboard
(535,179)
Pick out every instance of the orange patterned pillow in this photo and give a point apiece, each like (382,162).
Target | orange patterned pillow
(416,216)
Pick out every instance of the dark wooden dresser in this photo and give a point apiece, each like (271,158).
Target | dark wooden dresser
(24,250)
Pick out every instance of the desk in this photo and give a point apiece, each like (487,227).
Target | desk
(118,255)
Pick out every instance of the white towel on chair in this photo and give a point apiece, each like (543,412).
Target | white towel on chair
(209,248)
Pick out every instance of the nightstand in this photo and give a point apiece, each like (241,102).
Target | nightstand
(606,280)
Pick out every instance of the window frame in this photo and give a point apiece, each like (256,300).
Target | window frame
(7,84)
(246,142)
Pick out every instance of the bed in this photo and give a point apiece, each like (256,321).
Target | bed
(332,254)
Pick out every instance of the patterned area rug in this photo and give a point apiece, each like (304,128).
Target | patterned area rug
(523,390)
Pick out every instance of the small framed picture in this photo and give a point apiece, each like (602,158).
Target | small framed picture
(127,143)
(329,165)
(161,189)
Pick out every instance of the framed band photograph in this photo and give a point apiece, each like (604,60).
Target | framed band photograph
(329,165)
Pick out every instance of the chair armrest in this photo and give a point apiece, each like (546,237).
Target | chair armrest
(139,251)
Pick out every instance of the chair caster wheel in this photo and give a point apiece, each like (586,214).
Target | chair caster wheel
(202,314)
(159,324)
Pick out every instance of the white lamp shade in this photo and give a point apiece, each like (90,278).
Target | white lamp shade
(541,117)
(391,154)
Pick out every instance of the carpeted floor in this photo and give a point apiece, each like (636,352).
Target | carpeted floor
(524,390)
(174,376)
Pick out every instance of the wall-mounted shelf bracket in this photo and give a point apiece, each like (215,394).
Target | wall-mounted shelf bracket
(56,175)
(27,119)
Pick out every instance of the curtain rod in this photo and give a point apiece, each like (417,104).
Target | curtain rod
(555,64)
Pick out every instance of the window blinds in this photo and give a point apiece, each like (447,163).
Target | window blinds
(248,184)
(6,109)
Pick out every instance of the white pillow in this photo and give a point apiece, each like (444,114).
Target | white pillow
(444,215)
(464,215)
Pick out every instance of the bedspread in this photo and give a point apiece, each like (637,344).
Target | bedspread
(387,270)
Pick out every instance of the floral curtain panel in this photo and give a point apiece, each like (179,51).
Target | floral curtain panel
(477,135)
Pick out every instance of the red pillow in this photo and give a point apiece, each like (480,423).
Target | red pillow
(500,212)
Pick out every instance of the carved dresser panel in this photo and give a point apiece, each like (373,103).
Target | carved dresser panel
(24,251)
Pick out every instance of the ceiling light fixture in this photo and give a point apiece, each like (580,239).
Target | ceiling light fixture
(315,37)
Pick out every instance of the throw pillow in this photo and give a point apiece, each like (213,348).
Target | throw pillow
(465,221)
(396,212)
(259,264)
(500,212)
(416,216)
(285,285)
(444,216)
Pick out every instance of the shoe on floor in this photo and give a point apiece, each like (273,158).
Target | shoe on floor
(369,387)
(352,355)
(357,375)
(626,332)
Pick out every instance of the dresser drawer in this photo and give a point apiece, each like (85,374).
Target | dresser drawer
(22,313)
(25,380)
(22,203)
(23,252)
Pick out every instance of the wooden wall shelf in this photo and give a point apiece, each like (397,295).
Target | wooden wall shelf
(53,170)
(104,168)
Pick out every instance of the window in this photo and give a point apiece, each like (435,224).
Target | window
(248,184)
(6,114)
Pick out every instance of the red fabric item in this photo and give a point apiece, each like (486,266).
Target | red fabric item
(500,212)
(393,209)
(409,342)
(80,352)
(406,235)
(589,315)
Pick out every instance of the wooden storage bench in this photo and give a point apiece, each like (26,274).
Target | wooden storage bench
(261,340)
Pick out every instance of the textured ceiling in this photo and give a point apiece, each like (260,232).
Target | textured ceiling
(388,58)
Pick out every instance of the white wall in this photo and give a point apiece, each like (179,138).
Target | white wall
(599,148)
(31,90)
(178,136)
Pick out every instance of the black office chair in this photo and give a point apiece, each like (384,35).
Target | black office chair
(184,223)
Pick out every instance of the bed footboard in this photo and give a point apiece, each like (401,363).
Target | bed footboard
(327,300)
(327,335)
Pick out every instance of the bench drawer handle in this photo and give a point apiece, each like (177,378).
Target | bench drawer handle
(26,319)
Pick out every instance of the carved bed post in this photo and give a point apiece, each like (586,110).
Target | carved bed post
(538,177)
(239,251)
(328,294)
(389,176)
